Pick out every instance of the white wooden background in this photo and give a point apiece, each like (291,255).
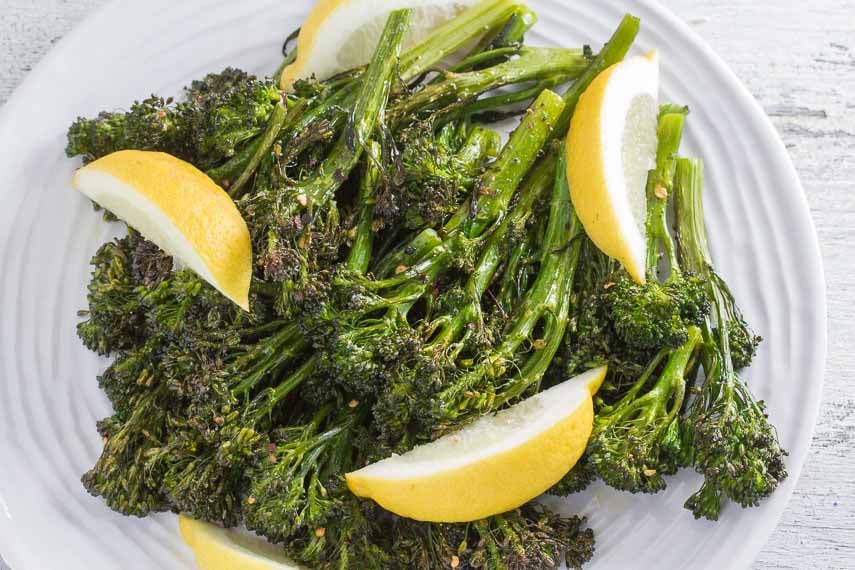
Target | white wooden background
(798,59)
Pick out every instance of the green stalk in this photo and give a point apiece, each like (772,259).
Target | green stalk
(267,356)
(500,100)
(515,277)
(264,404)
(479,59)
(262,148)
(450,329)
(663,401)
(480,145)
(359,256)
(660,185)
(404,257)
(456,34)
(694,249)
(547,301)
(696,257)
(613,51)
(673,378)
(510,34)
(230,170)
(457,89)
(365,115)
(497,186)
(549,298)
(535,186)
(514,31)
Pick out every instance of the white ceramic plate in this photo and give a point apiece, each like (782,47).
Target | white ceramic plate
(762,235)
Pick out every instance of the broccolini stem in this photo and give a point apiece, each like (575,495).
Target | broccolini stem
(515,276)
(660,185)
(639,384)
(692,235)
(332,108)
(613,51)
(736,448)
(510,34)
(496,188)
(505,99)
(514,30)
(411,253)
(274,125)
(267,356)
(549,298)
(480,145)
(491,257)
(366,114)
(547,301)
(477,59)
(673,377)
(457,89)
(535,186)
(359,256)
(454,35)
(267,400)
(661,404)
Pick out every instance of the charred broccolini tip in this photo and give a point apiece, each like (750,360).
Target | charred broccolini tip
(525,538)
(218,114)
(736,448)
(434,172)
(294,486)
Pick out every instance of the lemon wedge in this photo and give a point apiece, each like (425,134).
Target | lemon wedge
(180,209)
(496,464)
(217,548)
(342,34)
(610,149)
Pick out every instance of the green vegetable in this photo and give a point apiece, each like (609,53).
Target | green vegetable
(735,446)
(410,275)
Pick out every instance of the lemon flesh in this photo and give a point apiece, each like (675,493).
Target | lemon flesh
(179,208)
(611,147)
(356,26)
(216,548)
(496,464)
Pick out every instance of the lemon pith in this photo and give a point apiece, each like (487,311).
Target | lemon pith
(179,208)
(606,178)
(467,476)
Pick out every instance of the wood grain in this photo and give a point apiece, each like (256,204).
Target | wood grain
(798,59)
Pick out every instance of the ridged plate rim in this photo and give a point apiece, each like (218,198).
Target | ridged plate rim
(52,83)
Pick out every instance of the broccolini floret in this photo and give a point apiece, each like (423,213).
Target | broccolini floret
(736,448)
